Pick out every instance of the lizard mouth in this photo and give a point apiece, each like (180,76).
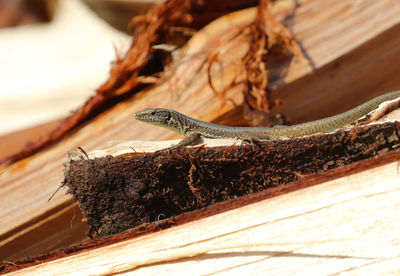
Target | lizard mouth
(143,115)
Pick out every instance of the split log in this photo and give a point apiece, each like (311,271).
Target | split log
(348,224)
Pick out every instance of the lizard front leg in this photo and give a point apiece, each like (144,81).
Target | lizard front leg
(192,139)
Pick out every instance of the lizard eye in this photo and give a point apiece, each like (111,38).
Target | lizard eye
(153,113)
(164,115)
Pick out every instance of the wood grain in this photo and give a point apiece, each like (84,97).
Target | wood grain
(14,142)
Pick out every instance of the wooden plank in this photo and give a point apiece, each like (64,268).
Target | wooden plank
(350,225)
(59,229)
(348,71)
(14,142)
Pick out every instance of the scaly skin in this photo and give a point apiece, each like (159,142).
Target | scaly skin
(191,127)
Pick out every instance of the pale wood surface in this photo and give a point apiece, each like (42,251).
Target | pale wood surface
(349,225)
(364,34)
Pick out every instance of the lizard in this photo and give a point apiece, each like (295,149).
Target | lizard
(195,129)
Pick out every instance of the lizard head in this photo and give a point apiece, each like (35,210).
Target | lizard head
(156,116)
(160,117)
